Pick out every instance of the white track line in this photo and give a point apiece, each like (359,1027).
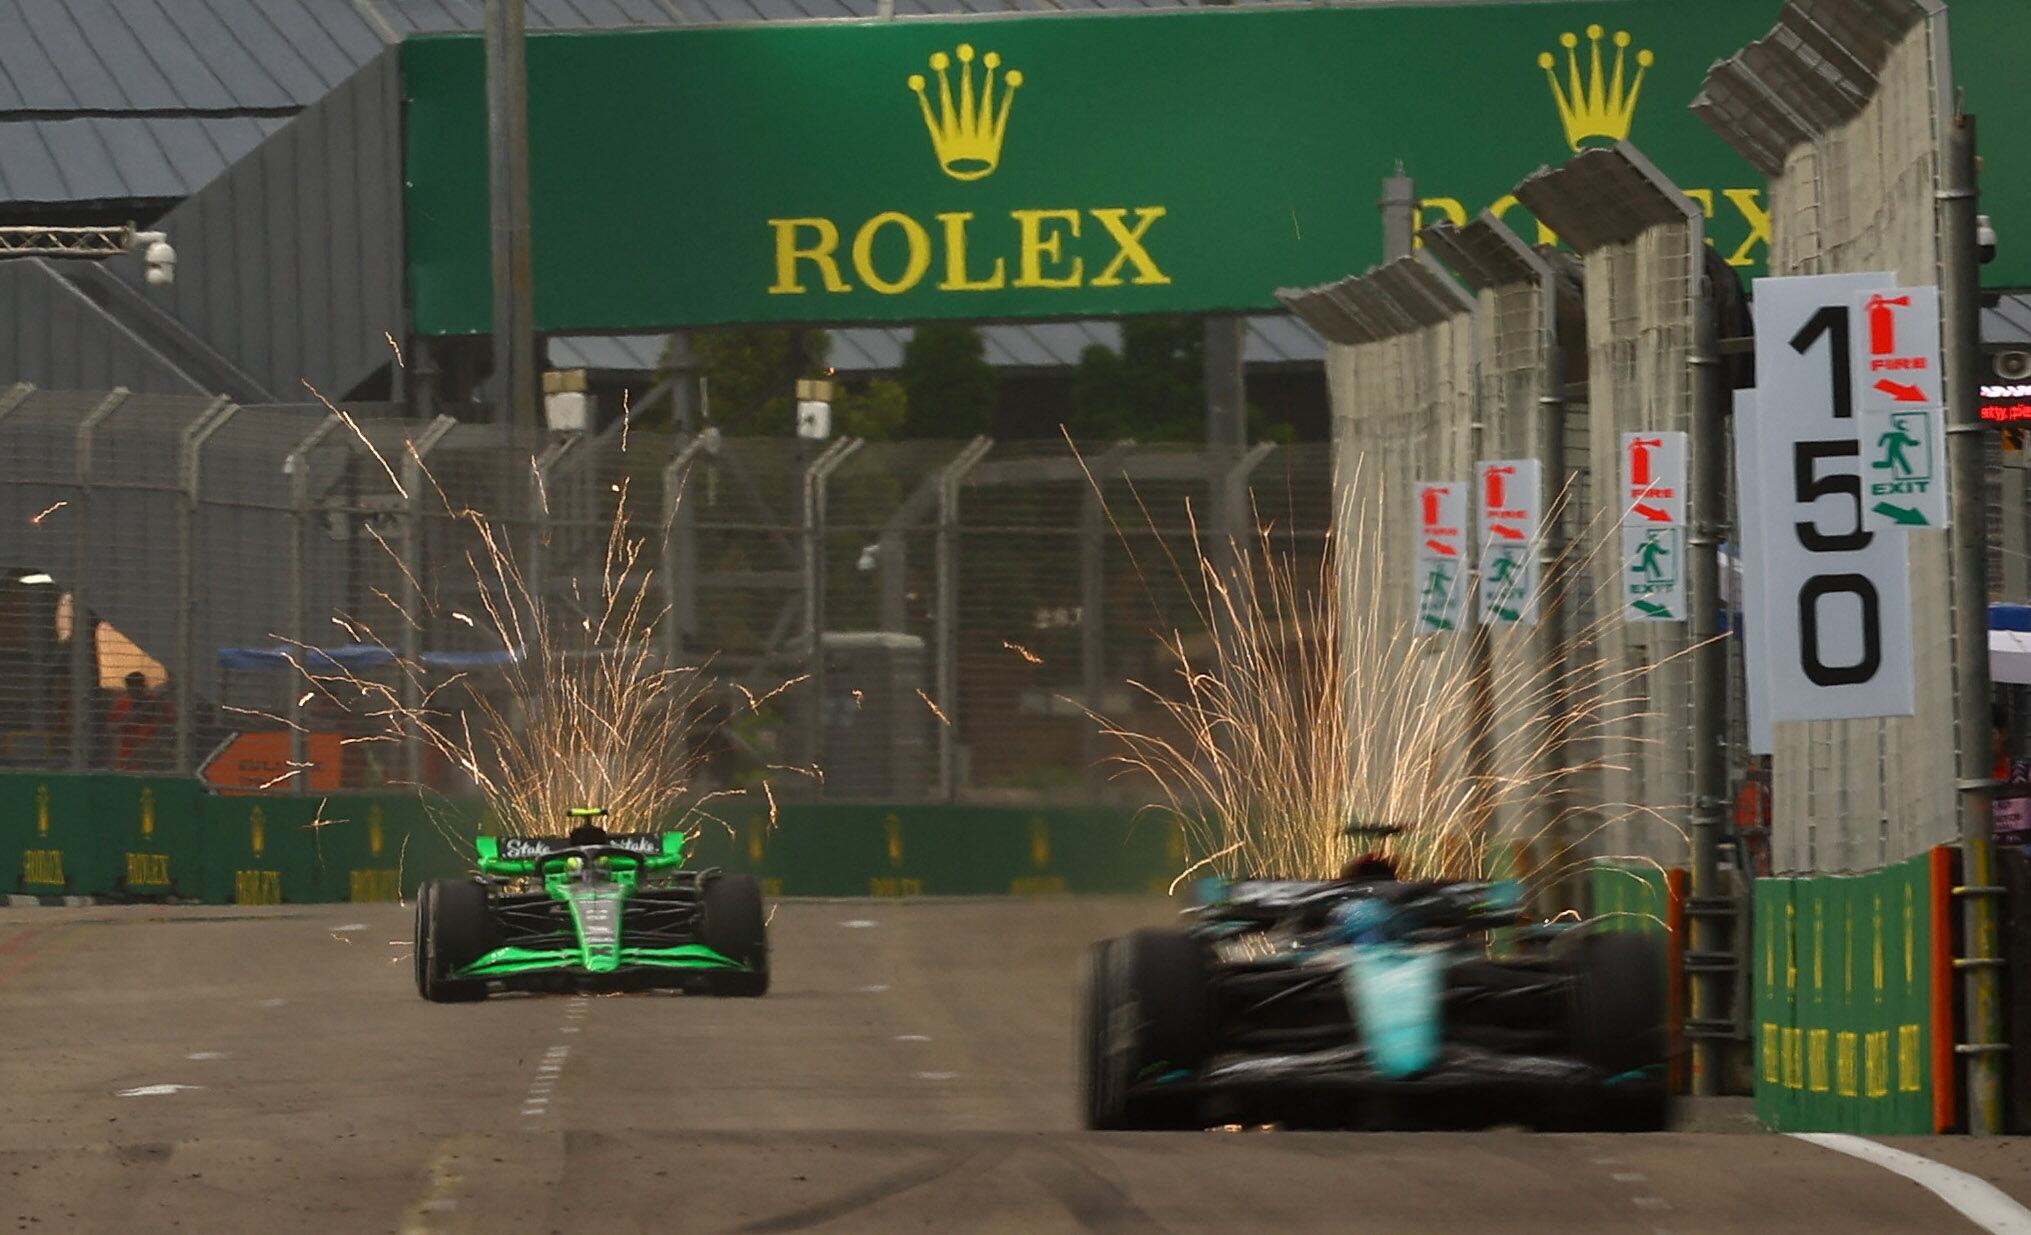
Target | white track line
(1979,1201)
(536,1103)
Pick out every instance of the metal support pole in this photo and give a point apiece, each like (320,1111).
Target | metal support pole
(680,558)
(412,598)
(1960,305)
(1093,606)
(190,458)
(2016,566)
(892,558)
(815,478)
(41,652)
(296,466)
(508,167)
(84,631)
(1553,576)
(1226,386)
(948,610)
(1710,528)
(1399,215)
(535,572)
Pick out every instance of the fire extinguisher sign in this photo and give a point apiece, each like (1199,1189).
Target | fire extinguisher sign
(1653,527)
(1441,556)
(1900,419)
(1510,499)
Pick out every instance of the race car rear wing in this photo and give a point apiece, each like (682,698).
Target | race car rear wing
(520,855)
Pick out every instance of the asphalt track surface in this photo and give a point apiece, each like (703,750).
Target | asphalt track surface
(913,1070)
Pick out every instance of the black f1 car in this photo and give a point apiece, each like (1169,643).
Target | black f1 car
(1374,1004)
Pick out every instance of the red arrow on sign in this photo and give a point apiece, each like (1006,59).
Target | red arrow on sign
(1439,546)
(1507,533)
(1651,513)
(1902,393)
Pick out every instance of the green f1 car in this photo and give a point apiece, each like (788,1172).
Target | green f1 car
(590,912)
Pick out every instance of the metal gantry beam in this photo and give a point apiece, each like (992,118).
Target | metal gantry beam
(92,242)
(65,241)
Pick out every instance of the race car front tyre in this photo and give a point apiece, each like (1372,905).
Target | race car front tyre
(1149,1013)
(1619,1024)
(454,928)
(736,927)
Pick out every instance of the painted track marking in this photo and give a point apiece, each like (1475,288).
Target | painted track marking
(1977,1200)
(550,1068)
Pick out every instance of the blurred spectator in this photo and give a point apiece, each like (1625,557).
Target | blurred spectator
(140,719)
(1752,818)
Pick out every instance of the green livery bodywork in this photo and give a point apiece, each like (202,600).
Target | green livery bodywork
(596,916)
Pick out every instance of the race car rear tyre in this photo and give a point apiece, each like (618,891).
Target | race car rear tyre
(736,927)
(454,928)
(1619,1024)
(1149,1011)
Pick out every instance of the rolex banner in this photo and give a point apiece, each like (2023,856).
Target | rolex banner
(1440,554)
(1048,166)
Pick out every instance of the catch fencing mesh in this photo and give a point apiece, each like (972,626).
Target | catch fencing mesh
(861,621)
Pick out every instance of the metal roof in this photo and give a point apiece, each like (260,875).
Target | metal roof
(1273,339)
(131,65)
(128,158)
(2008,322)
(218,57)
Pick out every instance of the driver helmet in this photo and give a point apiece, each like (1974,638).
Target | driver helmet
(1369,868)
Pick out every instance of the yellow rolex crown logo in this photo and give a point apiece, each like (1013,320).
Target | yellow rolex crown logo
(966,134)
(1600,105)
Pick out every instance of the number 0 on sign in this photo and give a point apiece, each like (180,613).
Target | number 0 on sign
(1830,628)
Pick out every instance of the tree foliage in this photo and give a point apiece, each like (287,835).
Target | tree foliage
(751,375)
(950,389)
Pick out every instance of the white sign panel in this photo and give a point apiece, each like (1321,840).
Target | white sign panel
(1510,496)
(1900,422)
(1441,556)
(1653,478)
(1653,527)
(1835,611)
(1653,573)
(1754,605)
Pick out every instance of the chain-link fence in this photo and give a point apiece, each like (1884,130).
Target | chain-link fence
(271,593)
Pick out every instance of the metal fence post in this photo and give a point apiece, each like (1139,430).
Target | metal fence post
(541,469)
(297,467)
(815,477)
(1960,302)
(413,464)
(947,683)
(1710,903)
(84,632)
(1093,604)
(680,554)
(190,454)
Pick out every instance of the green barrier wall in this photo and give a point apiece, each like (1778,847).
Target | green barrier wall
(117,836)
(1844,1002)
(1631,898)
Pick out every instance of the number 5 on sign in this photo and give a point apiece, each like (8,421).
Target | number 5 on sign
(1830,626)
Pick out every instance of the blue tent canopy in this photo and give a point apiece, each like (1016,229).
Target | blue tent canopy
(2010,617)
(354,657)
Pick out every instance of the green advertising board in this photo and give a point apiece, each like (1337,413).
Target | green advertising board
(1845,1002)
(1074,165)
(1065,166)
